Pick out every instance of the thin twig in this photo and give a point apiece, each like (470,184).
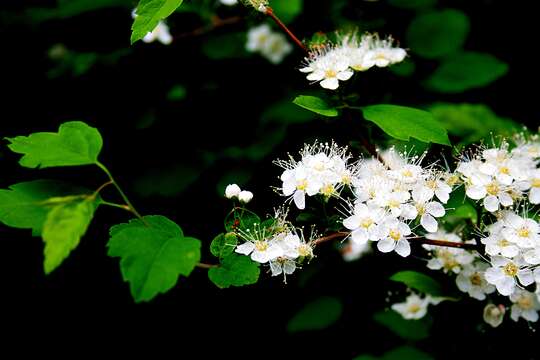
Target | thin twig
(206,266)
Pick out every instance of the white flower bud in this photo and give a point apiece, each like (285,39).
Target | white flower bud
(232,191)
(229,2)
(245,196)
(493,314)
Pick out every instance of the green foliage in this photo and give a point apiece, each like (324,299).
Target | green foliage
(177,93)
(242,219)
(149,13)
(315,104)
(438,33)
(223,245)
(460,207)
(400,353)
(316,315)
(76,143)
(234,270)
(412,4)
(402,123)
(418,281)
(465,71)
(153,253)
(407,329)
(287,10)
(468,121)
(64,226)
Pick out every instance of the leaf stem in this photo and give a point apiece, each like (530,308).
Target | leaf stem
(120,191)
(206,266)
(120,206)
(270,13)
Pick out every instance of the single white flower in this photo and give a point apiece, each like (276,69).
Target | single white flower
(428,210)
(328,68)
(393,235)
(232,191)
(262,251)
(282,265)
(494,314)
(471,280)
(229,2)
(276,48)
(353,250)
(525,305)
(505,273)
(257,38)
(413,308)
(521,231)
(245,196)
(364,222)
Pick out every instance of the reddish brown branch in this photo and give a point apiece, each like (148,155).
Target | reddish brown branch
(206,266)
(270,13)
(337,235)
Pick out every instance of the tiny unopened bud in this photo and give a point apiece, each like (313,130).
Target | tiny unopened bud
(245,196)
(494,314)
(259,5)
(232,191)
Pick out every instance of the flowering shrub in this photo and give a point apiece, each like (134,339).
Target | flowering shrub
(462,203)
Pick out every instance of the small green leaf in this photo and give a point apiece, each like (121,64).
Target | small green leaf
(316,315)
(402,123)
(418,281)
(287,10)
(466,70)
(223,245)
(76,143)
(153,254)
(26,205)
(65,225)
(407,329)
(235,270)
(149,13)
(315,104)
(243,219)
(438,33)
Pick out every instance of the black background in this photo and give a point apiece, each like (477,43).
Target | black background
(86,305)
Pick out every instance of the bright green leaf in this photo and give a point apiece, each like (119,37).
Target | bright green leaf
(287,10)
(464,71)
(234,270)
(26,205)
(418,281)
(316,315)
(149,13)
(438,33)
(315,104)
(402,123)
(153,254)
(76,143)
(66,223)
(223,245)
(407,329)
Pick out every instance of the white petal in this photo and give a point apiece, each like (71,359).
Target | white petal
(352,222)
(505,199)
(360,236)
(386,245)
(245,248)
(330,84)
(506,286)
(403,248)
(429,223)
(525,277)
(300,199)
(344,75)
(436,209)
(491,203)
(476,192)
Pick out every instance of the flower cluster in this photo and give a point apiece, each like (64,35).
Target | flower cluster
(233,191)
(271,45)
(323,169)
(337,62)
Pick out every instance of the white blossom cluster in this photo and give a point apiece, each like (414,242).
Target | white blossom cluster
(271,45)
(337,62)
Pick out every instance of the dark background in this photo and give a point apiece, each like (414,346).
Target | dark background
(86,304)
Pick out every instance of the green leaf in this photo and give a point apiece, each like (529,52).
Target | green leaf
(26,205)
(76,143)
(223,245)
(149,13)
(418,281)
(235,270)
(459,207)
(316,315)
(466,70)
(315,104)
(400,353)
(153,254)
(177,93)
(407,329)
(438,33)
(287,10)
(65,225)
(243,219)
(412,4)
(470,121)
(402,123)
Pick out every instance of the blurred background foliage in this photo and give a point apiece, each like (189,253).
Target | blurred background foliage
(182,121)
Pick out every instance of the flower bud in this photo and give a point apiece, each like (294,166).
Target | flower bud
(232,191)
(245,196)
(493,314)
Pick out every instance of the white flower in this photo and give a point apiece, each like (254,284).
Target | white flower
(504,274)
(328,68)
(436,187)
(282,265)
(297,183)
(382,53)
(393,237)
(276,48)
(520,231)
(471,280)
(493,192)
(232,191)
(245,196)
(497,244)
(229,2)
(494,315)
(525,305)
(534,192)
(447,259)
(258,37)
(353,250)
(261,251)
(413,308)
(161,33)
(363,223)
(428,210)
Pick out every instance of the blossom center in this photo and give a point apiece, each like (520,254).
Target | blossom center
(421,209)
(525,302)
(535,182)
(304,250)
(510,269)
(492,188)
(261,245)
(366,223)
(414,308)
(504,170)
(328,190)
(302,185)
(523,232)
(395,235)
(330,73)
(407,173)
(503,243)
(476,279)
(432,184)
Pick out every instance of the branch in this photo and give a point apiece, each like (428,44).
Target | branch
(270,13)
(206,266)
